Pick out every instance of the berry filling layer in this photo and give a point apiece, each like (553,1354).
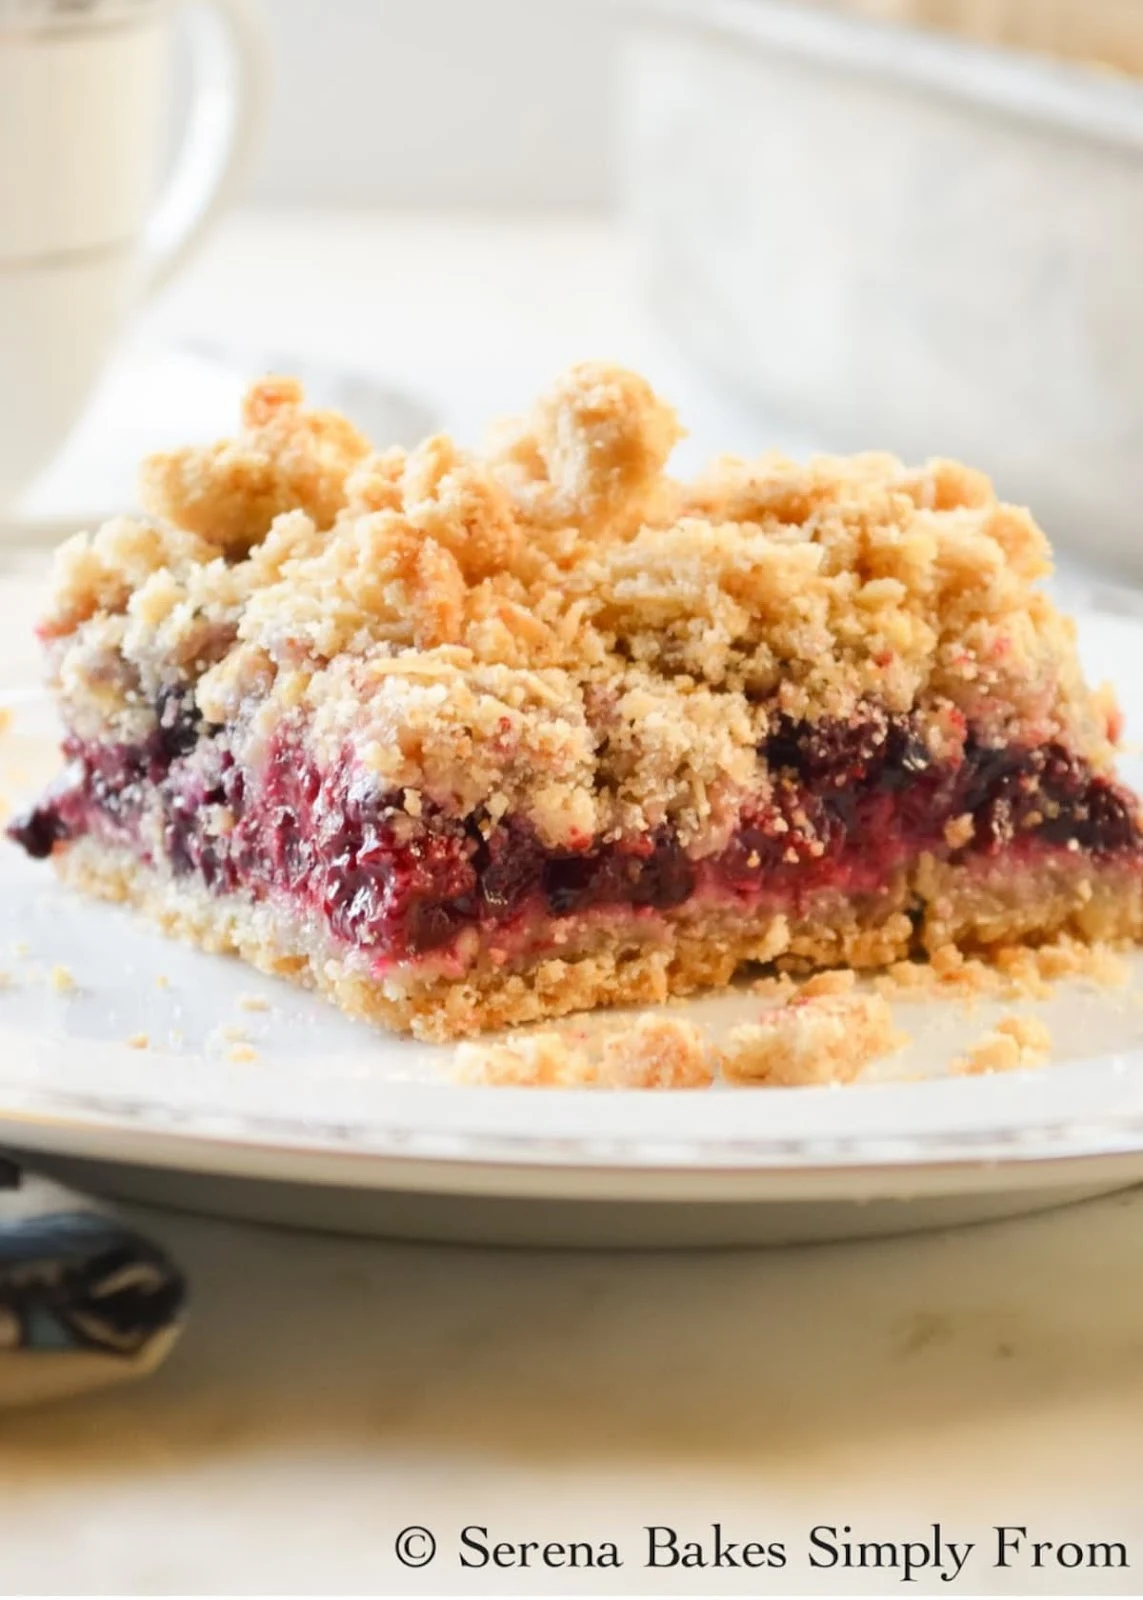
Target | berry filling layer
(846,805)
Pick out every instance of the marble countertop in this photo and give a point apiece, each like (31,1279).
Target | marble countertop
(330,1392)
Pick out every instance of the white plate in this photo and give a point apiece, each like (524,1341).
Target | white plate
(336,1125)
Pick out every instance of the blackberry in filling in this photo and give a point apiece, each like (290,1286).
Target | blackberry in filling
(848,804)
(38,831)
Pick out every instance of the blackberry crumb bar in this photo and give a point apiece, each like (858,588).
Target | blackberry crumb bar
(468,740)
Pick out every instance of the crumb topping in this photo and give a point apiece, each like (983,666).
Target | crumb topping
(1015,1042)
(532,1061)
(826,1036)
(556,626)
(654,1052)
(826,1032)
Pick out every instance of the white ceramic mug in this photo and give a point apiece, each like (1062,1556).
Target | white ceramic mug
(83,235)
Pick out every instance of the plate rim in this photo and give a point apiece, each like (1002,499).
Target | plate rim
(111,1144)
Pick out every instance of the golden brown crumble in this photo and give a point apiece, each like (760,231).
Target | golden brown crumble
(654,1052)
(838,981)
(534,1061)
(139,1041)
(824,1037)
(287,459)
(556,627)
(1010,972)
(1015,1042)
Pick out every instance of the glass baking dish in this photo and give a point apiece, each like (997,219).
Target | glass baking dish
(901,240)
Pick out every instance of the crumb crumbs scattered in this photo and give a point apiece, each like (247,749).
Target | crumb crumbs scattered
(825,1032)
(162,981)
(656,1053)
(139,1041)
(242,1053)
(1015,1042)
(226,1039)
(536,1061)
(253,1002)
(61,980)
(827,1038)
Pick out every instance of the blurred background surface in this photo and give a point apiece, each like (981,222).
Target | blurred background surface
(508,104)
(845,224)
(514,103)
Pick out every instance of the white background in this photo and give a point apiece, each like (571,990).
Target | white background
(440,103)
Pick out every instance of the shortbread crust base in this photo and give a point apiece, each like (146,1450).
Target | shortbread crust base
(616,958)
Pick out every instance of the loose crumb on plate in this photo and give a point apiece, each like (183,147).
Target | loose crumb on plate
(253,1002)
(229,1033)
(139,1041)
(241,1053)
(827,1038)
(827,1033)
(655,1053)
(535,1061)
(61,979)
(1014,1042)
(162,981)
